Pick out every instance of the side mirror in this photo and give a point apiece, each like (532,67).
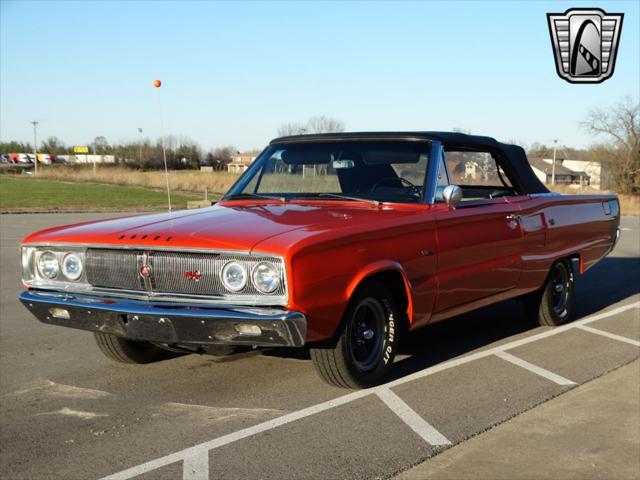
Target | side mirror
(452,195)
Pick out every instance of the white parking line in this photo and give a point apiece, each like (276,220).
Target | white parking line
(196,467)
(350,397)
(235,436)
(535,369)
(411,418)
(613,336)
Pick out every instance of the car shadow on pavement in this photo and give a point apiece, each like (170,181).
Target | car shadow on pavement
(610,281)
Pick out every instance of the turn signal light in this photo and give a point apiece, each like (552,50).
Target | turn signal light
(59,313)
(252,330)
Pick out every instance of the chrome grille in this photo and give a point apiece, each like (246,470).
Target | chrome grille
(170,273)
(114,268)
(174,272)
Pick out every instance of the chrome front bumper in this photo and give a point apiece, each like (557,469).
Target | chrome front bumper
(169,323)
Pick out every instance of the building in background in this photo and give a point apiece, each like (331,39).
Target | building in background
(592,169)
(564,175)
(240,163)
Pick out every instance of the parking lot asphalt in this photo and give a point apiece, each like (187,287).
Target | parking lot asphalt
(67,412)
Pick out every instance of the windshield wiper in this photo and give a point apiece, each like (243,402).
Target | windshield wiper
(238,196)
(354,199)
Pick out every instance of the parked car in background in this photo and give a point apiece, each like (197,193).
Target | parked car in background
(45,158)
(341,243)
(4,158)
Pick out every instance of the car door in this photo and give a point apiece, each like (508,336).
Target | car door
(480,241)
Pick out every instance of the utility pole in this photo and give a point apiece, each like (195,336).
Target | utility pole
(140,132)
(94,157)
(35,147)
(553,165)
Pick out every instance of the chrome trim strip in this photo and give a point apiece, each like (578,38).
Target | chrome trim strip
(141,247)
(250,300)
(431,182)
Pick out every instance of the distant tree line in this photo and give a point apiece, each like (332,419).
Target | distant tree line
(182,152)
(616,129)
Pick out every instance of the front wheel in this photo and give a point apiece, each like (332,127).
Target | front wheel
(363,353)
(552,304)
(129,351)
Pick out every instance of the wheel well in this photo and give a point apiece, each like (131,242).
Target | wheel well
(394,281)
(573,258)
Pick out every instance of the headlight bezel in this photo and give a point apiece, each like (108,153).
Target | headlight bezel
(34,274)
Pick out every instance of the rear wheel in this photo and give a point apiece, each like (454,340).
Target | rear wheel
(129,351)
(363,353)
(551,305)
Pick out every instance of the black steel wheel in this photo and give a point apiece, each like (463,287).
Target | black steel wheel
(552,305)
(364,350)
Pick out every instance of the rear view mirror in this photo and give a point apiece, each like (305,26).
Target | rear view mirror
(452,195)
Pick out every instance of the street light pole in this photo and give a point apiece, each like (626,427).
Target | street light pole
(140,132)
(35,147)
(553,165)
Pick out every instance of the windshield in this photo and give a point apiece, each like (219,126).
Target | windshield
(382,171)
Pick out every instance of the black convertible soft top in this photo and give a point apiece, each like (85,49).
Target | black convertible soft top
(512,158)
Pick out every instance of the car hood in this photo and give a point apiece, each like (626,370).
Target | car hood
(224,226)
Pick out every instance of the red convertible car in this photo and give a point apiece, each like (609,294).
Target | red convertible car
(340,243)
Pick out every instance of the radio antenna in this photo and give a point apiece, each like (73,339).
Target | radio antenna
(157,84)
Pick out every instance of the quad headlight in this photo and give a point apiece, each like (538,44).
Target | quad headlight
(234,276)
(52,265)
(72,266)
(48,265)
(266,277)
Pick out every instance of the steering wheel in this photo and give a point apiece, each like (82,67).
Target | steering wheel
(415,189)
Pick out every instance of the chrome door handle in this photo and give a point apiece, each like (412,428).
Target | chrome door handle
(513,221)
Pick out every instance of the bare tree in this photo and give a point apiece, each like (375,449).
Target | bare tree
(101,144)
(219,157)
(53,145)
(317,124)
(621,152)
(292,128)
(322,124)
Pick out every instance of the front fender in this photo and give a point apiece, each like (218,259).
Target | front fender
(382,266)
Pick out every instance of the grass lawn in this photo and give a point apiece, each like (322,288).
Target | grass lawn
(30,194)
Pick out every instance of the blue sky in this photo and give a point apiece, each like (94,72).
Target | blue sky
(233,72)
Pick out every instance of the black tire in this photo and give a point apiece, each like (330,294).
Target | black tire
(552,304)
(363,352)
(128,351)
